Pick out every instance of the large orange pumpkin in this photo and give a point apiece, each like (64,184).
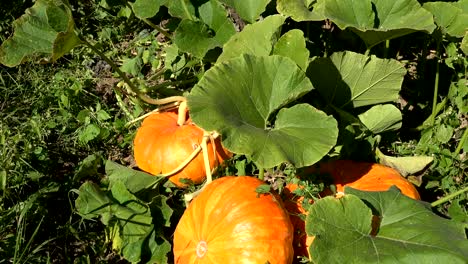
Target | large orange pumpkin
(230,223)
(297,213)
(161,145)
(366,176)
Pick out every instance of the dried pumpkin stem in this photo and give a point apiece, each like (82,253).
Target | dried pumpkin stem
(159,109)
(183,164)
(199,148)
(182,114)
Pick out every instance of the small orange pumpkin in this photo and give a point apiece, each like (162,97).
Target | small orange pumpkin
(161,145)
(367,176)
(293,205)
(229,222)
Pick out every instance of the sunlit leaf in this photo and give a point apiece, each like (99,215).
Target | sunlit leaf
(450,17)
(406,230)
(378,20)
(382,118)
(293,45)
(248,10)
(240,98)
(352,79)
(256,39)
(45,32)
(212,30)
(299,10)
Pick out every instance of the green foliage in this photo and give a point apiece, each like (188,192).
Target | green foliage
(321,79)
(255,39)
(350,79)
(213,30)
(134,225)
(46,32)
(249,126)
(343,230)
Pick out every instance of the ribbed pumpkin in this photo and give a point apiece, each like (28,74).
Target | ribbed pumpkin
(161,145)
(293,205)
(230,223)
(367,177)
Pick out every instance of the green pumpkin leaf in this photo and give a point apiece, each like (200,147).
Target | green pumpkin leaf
(147,8)
(293,45)
(353,79)
(382,118)
(299,10)
(92,201)
(135,181)
(464,44)
(256,39)
(405,165)
(213,30)
(378,20)
(248,10)
(407,230)
(183,11)
(129,221)
(450,16)
(240,97)
(45,32)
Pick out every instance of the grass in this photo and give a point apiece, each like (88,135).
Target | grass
(44,113)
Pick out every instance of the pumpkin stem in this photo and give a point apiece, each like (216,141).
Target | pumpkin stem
(206,159)
(182,114)
(183,164)
(159,109)
(199,148)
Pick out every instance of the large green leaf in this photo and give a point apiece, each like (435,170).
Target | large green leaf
(239,99)
(147,8)
(298,10)
(129,221)
(293,45)
(451,17)
(405,165)
(134,180)
(92,201)
(212,30)
(382,118)
(378,20)
(353,79)
(248,10)
(45,32)
(464,44)
(256,39)
(408,231)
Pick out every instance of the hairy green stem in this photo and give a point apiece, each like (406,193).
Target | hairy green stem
(158,28)
(261,173)
(449,197)
(462,142)
(121,104)
(386,49)
(436,85)
(367,52)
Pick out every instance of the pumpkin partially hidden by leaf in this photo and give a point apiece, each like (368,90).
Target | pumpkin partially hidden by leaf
(366,176)
(297,213)
(230,223)
(161,145)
